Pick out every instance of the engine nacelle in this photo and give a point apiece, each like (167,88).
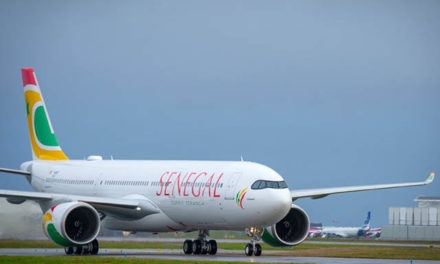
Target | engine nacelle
(290,231)
(71,224)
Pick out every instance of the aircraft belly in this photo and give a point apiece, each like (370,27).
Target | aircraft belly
(151,223)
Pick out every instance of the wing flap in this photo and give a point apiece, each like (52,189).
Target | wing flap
(323,192)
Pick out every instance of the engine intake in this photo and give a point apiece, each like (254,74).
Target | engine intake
(290,231)
(72,223)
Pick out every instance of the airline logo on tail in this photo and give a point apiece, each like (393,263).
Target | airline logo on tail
(366,225)
(431,176)
(43,140)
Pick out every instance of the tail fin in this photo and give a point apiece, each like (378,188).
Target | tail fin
(366,225)
(43,140)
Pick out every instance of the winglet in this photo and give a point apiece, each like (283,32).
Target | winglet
(430,178)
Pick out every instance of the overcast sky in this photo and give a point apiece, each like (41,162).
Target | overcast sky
(327,93)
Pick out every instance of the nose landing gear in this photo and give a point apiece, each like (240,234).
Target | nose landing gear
(200,246)
(253,248)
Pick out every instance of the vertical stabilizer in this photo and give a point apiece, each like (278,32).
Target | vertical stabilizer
(366,225)
(43,140)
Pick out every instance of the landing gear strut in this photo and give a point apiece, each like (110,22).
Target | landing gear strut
(91,248)
(253,248)
(200,246)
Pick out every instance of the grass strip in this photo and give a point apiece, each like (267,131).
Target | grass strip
(97,260)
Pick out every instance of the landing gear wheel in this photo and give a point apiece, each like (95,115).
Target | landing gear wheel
(94,247)
(204,250)
(197,247)
(68,250)
(249,249)
(212,244)
(86,249)
(257,250)
(188,247)
(78,250)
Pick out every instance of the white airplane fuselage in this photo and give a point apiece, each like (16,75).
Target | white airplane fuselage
(191,195)
(334,231)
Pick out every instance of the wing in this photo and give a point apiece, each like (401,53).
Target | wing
(136,206)
(323,192)
(15,171)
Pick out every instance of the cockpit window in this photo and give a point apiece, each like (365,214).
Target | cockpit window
(283,184)
(261,184)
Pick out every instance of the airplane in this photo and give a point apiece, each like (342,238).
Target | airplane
(315,232)
(373,233)
(344,232)
(78,197)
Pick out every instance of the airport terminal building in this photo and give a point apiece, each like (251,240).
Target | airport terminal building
(414,223)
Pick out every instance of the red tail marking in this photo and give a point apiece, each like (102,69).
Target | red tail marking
(28,76)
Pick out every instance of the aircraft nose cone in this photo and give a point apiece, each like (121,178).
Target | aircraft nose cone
(281,202)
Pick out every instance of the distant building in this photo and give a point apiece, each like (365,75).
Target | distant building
(428,201)
(414,223)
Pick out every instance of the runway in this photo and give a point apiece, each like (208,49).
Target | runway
(240,241)
(222,255)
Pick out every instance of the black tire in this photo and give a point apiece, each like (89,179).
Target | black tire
(78,250)
(188,247)
(86,249)
(197,247)
(68,250)
(205,247)
(204,250)
(95,247)
(249,249)
(212,247)
(258,250)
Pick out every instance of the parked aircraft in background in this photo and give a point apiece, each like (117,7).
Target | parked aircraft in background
(346,232)
(315,232)
(79,196)
(373,233)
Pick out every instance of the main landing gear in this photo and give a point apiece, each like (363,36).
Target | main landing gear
(253,248)
(91,248)
(200,246)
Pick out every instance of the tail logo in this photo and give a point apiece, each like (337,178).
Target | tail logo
(240,196)
(431,176)
(43,140)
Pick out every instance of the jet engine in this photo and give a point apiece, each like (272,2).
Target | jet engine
(71,224)
(290,231)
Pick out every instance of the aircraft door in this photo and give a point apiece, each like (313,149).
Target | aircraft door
(232,185)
